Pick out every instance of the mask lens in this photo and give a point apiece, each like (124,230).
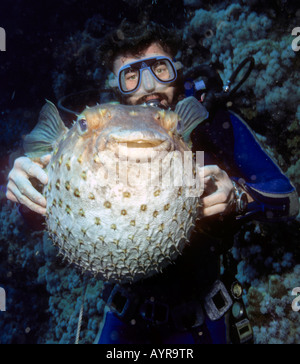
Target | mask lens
(129,79)
(130,76)
(164,70)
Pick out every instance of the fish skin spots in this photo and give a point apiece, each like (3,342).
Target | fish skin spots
(118,233)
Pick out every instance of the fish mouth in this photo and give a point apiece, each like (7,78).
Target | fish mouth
(143,144)
(140,150)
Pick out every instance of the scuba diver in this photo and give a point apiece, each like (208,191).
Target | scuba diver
(190,302)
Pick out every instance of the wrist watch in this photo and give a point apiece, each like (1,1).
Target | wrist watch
(241,199)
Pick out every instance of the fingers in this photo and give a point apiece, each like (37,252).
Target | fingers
(27,196)
(212,171)
(19,188)
(45,160)
(10,196)
(215,199)
(210,175)
(32,169)
(219,191)
(216,203)
(19,185)
(26,189)
(215,210)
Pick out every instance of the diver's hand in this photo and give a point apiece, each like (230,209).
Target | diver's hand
(19,188)
(219,191)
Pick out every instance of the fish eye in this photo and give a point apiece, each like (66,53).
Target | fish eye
(83,125)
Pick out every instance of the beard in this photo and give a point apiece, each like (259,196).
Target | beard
(163,99)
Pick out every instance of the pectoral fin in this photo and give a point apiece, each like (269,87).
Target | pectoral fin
(191,113)
(48,131)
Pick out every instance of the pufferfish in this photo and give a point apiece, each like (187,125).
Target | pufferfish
(99,217)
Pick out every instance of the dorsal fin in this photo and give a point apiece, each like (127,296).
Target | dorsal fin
(191,113)
(49,129)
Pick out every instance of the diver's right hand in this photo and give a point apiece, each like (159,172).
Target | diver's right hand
(20,189)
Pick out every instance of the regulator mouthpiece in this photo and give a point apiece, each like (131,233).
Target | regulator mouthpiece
(156,103)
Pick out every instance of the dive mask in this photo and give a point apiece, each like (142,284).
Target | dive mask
(131,75)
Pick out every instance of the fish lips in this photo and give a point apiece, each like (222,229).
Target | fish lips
(138,149)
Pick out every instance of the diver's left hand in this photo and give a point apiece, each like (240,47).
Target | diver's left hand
(219,191)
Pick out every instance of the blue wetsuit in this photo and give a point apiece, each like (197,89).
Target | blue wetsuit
(229,143)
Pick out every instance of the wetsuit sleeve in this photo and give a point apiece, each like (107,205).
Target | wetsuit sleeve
(275,197)
(237,150)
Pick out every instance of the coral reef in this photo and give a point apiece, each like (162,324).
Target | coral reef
(270,309)
(26,317)
(44,296)
(268,267)
(231,34)
(65,287)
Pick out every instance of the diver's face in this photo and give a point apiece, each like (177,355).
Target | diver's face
(153,90)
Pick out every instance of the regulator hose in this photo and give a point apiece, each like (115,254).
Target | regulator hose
(216,93)
(233,77)
(79,100)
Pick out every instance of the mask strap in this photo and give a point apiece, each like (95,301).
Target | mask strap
(114,82)
(178,65)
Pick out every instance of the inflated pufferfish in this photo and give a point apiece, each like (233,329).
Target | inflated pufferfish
(105,224)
